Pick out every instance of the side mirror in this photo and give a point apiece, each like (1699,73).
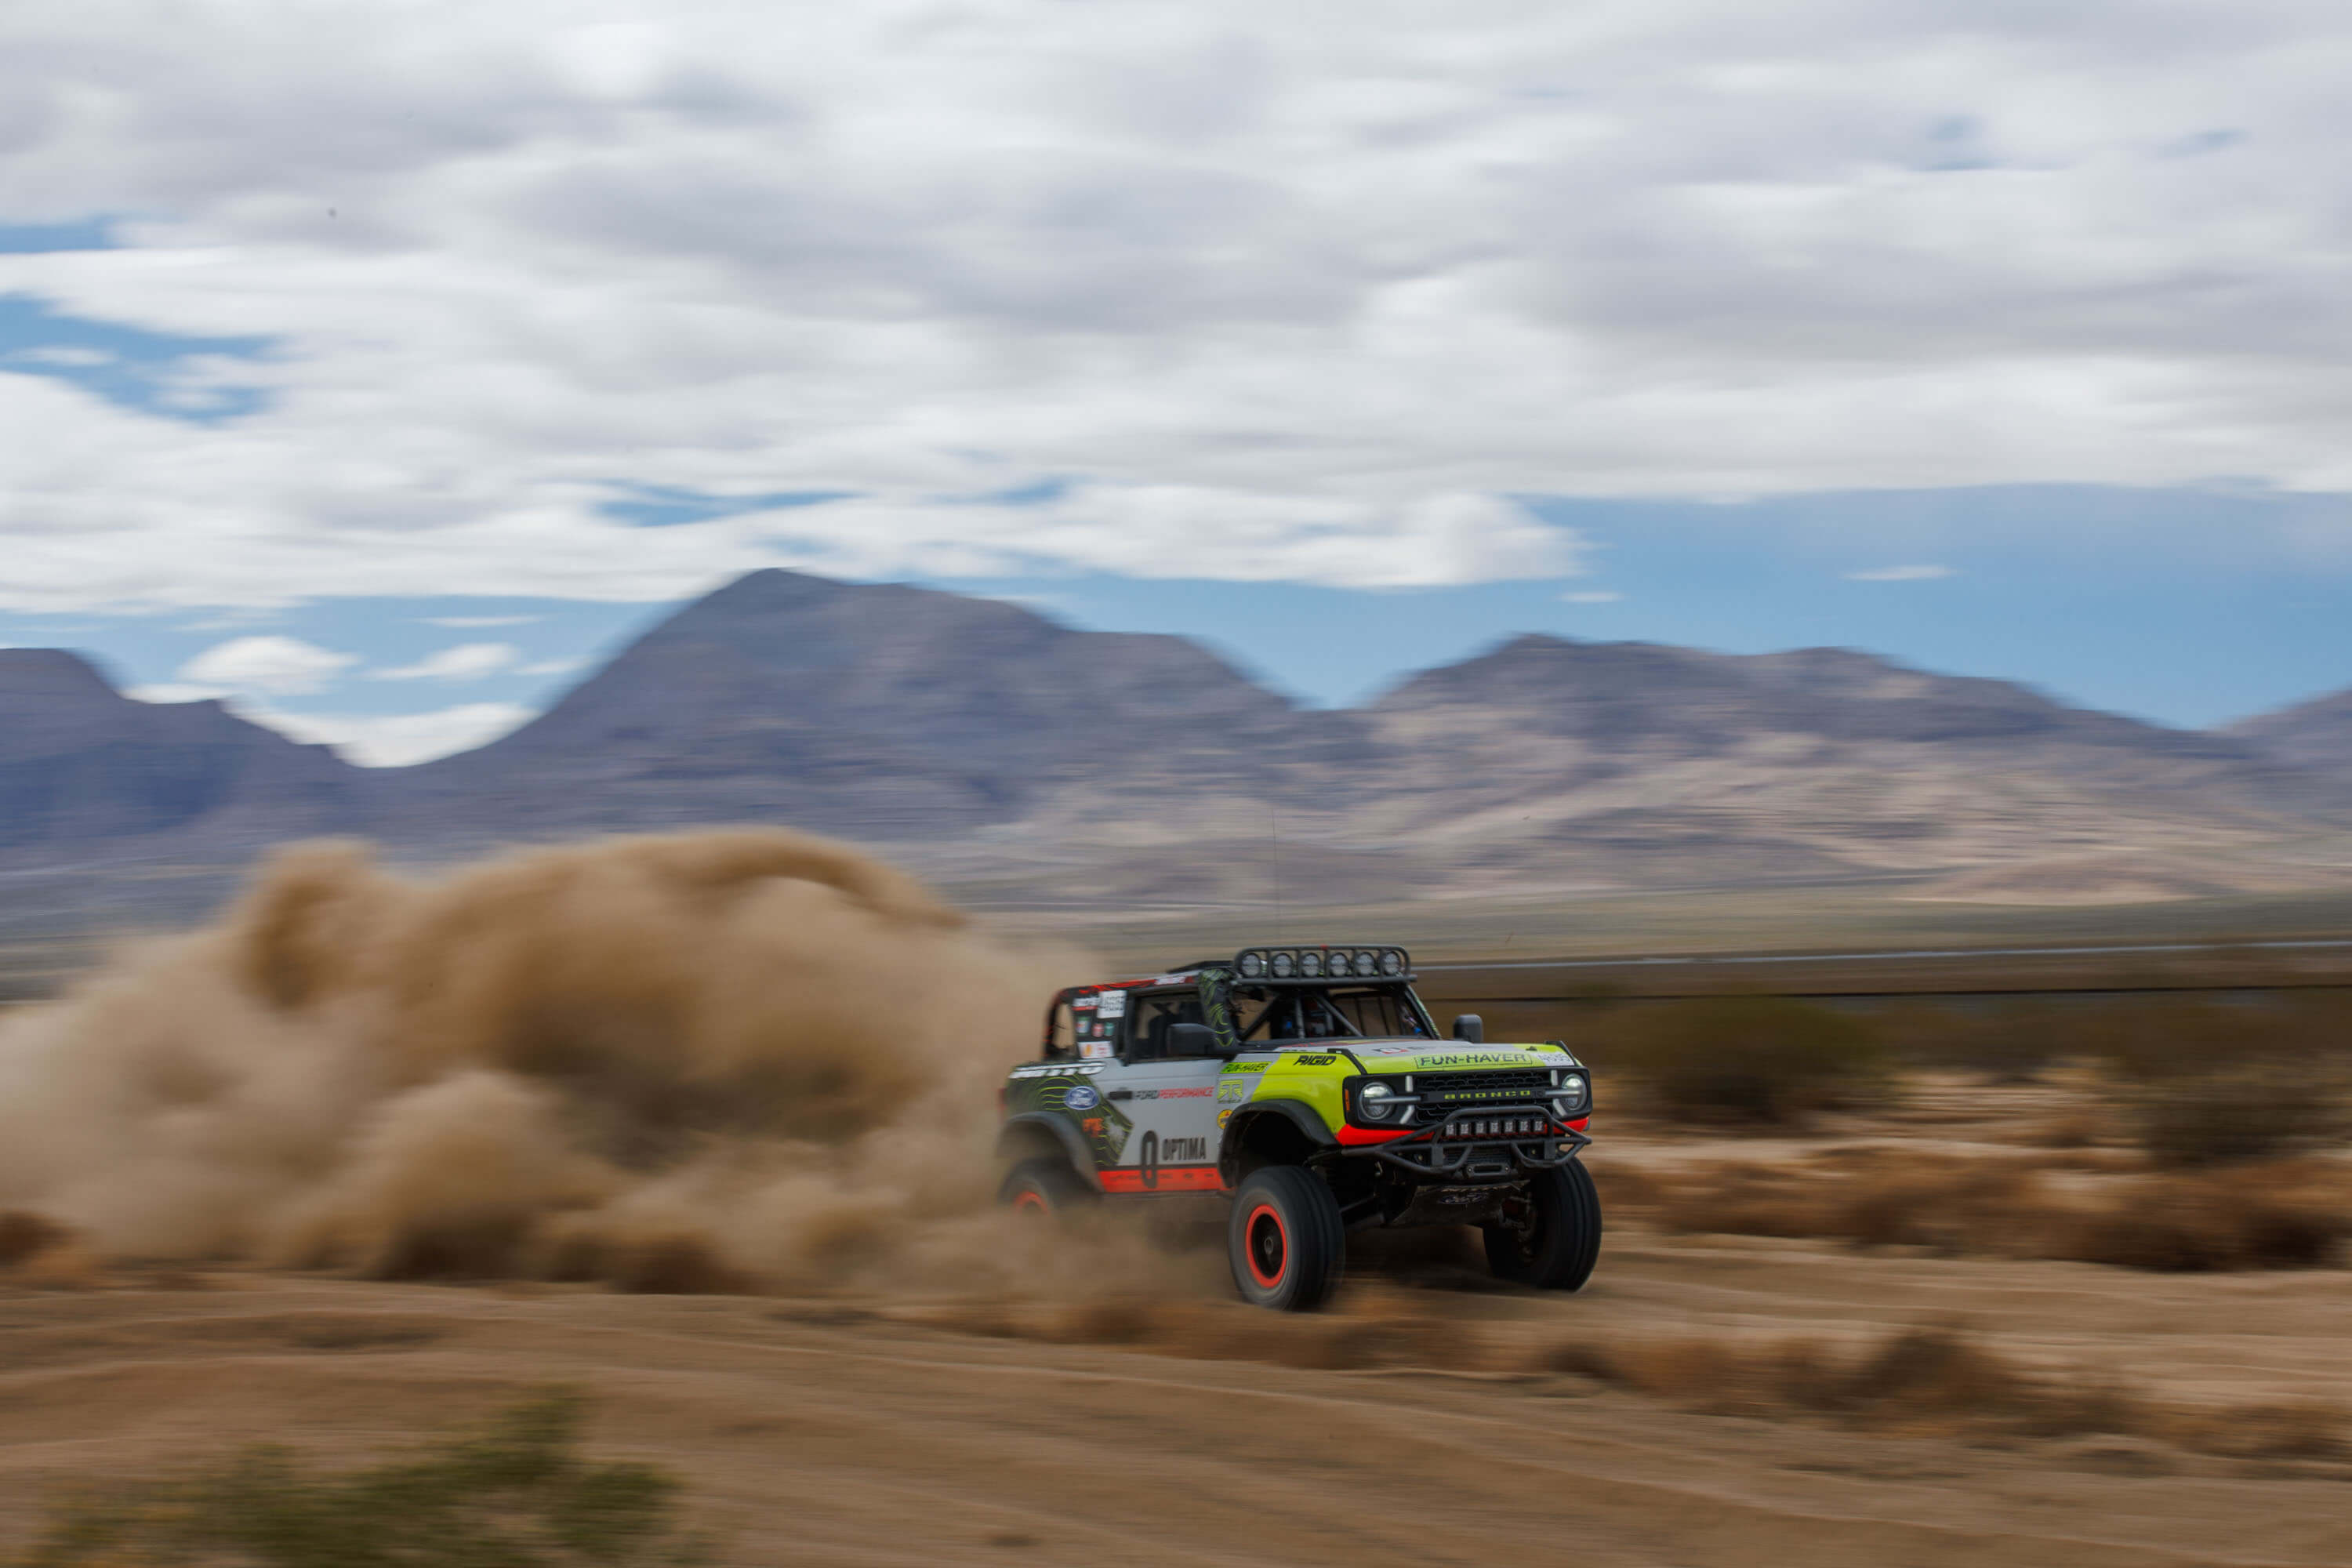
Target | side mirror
(1192,1040)
(1470,1027)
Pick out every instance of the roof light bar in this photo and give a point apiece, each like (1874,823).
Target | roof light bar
(1323,963)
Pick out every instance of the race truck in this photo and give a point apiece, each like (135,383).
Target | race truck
(1304,1090)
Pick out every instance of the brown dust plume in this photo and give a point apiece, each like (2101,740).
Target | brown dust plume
(748,1058)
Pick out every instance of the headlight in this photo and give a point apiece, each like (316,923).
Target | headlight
(1374,1100)
(1282,965)
(1571,1091)
(1391,962)
(1310,965)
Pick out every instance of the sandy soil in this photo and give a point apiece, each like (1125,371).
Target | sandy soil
(843,1431)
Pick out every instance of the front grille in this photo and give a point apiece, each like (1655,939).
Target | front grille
(1452,1089)
(1442,1093)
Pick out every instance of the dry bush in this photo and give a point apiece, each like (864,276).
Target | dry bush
(516,1494)
(24,1235)
(1937,1379)
(2280,1215)
(1756,1059)
(2178,1037)
(2013,1043)
(2255,1110)
(2287,1429)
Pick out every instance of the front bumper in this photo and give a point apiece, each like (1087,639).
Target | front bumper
(1494,1144)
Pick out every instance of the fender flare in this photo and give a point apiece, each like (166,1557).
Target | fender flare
(1298,1113)
(1081,1158)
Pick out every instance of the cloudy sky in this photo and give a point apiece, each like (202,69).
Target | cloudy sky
(378,363)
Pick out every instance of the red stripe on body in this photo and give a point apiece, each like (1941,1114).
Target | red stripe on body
(1169,1179)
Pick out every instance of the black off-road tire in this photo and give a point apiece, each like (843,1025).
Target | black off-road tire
(1045,1185)
(1285,1240)
(1558,1249)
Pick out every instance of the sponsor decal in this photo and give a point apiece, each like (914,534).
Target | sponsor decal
(1059,1070)
(1201,1093)
(1315,1061)
(1224,1117)
(1095,1048)
(1183,1150)
(1472,1059)
(1114,1004)
(1084,1004)
(1235,1089)
(1081,1097)
(1248,1066)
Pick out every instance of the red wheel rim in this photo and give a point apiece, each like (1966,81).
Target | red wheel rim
(1265,1245)
(1031,1201)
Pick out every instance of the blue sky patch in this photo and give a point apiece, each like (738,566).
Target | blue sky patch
(129,366)
(43,238)
(660,506)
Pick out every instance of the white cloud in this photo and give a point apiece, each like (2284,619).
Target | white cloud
(1591,596)
(397,740)
(1277,294)
(274,665)
(553,667)
(466,623)
(175,692)
(466,661)
(1899,574)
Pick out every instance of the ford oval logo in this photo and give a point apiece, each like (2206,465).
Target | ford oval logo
(1081,1097)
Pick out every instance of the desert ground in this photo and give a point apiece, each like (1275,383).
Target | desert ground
(1429,1418)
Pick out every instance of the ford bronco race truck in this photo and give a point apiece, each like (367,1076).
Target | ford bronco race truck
(1305,1090)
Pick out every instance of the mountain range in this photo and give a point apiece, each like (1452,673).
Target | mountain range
(981,737)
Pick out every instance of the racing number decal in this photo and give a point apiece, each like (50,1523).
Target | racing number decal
(1150,1160)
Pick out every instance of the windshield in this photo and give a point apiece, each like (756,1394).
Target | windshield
(1314,1013)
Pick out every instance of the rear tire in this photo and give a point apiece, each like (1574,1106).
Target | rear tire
(1557,1249)
(1285,1240)
(1043,1186)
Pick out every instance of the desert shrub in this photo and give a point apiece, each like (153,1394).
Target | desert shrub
(2271,1214)
(2252,1110)
(24,1235)
(517,1494)
(1749,1058)
(2153,1039)
(2011,1043)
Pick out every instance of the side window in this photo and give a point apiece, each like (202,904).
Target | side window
(1095,1016)
(1155,1013)
(1061,1035)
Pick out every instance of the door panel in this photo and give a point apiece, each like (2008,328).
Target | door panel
(1173,1109)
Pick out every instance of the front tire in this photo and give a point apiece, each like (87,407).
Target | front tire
(1285,1240)
(1560,1240)
(1044,1185)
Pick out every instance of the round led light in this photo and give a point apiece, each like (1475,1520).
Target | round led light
(1391,962)
(1368,963)
(1310,965)
(1253,964)
(1284,966)
(1375,1099)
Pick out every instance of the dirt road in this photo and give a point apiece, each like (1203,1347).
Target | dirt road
(844,1432)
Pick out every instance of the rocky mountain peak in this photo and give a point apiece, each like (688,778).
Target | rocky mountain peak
(51,673)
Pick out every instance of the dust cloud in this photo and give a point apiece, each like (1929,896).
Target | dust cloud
(724,1059)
